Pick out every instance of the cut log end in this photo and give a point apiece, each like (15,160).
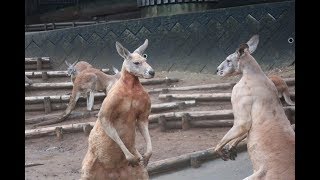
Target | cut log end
(59,133)
(47,105)
(39,64)
(162,123)
(186,121)
(87,129)
(44,76)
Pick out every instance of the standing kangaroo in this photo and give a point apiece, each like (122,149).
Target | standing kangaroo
(111,152)
(258,113)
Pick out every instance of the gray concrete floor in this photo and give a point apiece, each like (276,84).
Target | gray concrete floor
(213,170)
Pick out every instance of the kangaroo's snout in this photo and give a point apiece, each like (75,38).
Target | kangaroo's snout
(152,73)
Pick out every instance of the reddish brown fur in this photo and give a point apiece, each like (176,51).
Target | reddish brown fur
(282,88)
(80,66)
(128,101)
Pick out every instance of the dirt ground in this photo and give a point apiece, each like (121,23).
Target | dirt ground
(62,159)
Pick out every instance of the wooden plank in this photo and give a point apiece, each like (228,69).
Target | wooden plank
(69,85)
(184,160)
(202,96)
(34,66)
(218,114)
(34,133)
(37,74)
(223,86)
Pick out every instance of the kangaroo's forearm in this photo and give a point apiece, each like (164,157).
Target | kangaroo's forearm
(144,130)
(113,134)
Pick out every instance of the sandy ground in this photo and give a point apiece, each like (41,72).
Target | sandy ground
(62,159)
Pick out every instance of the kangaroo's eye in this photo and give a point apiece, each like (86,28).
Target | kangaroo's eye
(145,56)
(228,60)
(136,63)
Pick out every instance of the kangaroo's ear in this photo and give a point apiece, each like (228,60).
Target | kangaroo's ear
(73,64)
(253,43)
(242,48)
(115,70)
(142,48)
(122,51)
(67,63)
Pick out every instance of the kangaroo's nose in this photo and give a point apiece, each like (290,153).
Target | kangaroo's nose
(152,72)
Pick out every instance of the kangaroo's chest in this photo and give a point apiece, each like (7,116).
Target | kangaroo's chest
(131,105)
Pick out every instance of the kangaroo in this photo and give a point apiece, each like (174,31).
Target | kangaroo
(282,87)
(258,113)
(85,83)
(27,80)
(75,68)
(111,151)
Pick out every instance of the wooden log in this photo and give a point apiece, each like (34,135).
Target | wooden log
(69,85)
(32,164)
(50,131)
(47,105)
(289,81)
(171,105)
(37,74)
(85,114)
(155,81)
(195,161)
(162,123)
(173,125)
(174,163)
(199,124)
(185,122)
(202,97)
(62,98)
(210,123)
(39,64)
(59,106)
(34,60)
(59,133)
(194,115)
(154,107)
(54,106)
(45,86)
(34,66)
(198,97)
(73,115)
(222,86)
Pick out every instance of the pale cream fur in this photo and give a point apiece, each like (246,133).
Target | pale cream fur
(258,112)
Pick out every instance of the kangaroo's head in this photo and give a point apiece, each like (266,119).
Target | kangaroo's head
(230,66)
(71,69)
(136,63)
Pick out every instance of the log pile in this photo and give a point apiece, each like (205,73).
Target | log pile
(37,63)
(165,121)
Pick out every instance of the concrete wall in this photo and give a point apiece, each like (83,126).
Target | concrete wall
(195,42)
